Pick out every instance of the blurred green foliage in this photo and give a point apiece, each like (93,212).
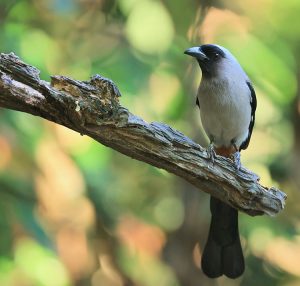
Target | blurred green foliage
(73,212)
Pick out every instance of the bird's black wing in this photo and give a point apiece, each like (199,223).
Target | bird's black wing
(197,102)
(253,104)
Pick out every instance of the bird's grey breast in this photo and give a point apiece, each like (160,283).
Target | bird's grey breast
(225,110)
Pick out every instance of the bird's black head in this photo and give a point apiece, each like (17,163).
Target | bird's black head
(208,57)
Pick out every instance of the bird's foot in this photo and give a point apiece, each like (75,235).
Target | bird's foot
(236,158)
(211,154)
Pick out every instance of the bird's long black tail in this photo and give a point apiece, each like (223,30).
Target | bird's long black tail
(223,252)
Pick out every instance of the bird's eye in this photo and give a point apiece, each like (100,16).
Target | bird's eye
(216,56)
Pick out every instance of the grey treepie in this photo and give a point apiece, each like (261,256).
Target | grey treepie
(227,103)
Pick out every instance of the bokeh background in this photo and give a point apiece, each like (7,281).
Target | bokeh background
(73,212)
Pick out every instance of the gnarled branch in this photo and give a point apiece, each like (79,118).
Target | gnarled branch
(92,108)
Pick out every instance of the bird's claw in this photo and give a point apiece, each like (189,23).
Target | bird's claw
(236,158)
(211,154)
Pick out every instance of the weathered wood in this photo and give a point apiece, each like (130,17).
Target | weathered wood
(92,108)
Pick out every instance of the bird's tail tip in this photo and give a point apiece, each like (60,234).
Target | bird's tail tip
(211,262)
(227,260)
(233,260)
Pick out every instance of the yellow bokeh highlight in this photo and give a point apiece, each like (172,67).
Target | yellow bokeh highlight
(149,27)
(40,50)
(37,262)
(284,254)
(218,23)
(169,213)
(127,5)
(259,239)
(163,88)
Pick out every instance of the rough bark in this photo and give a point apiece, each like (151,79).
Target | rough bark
(92,108)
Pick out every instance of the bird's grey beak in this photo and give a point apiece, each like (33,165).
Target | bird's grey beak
(196,52)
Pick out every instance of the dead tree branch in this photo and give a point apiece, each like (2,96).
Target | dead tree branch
(92,108)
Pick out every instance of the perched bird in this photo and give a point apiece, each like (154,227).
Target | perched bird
(227,103)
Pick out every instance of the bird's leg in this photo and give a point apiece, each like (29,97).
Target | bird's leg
(211,152)
(236,157)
